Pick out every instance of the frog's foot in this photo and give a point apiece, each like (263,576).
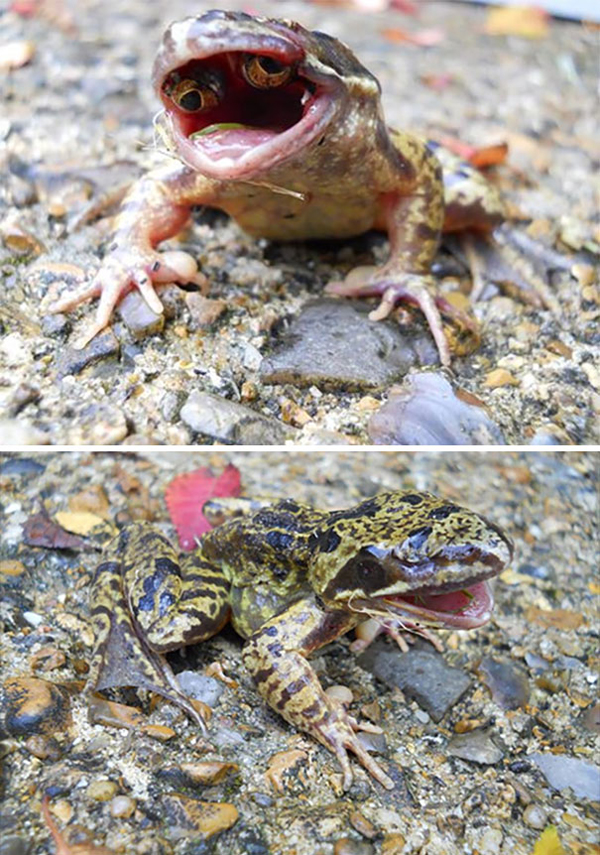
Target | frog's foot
(415,288)
(403,633)
(514,262)
(337,731)
(121,272)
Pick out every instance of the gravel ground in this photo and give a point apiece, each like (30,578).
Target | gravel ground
(491,743)
(77,122)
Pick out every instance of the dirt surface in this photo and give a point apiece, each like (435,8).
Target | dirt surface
(512,705)
(77,124)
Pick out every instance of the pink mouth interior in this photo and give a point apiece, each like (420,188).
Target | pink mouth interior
(265,113)
(465,609)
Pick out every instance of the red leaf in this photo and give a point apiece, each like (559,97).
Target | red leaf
(187,494)
(40,530)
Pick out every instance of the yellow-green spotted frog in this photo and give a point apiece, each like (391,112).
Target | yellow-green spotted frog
(283,129)
(292,579)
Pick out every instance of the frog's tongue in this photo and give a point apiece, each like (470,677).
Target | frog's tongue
(465,609)
(232,142)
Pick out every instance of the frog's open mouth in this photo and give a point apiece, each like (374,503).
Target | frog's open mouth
(462,608)
(226,126)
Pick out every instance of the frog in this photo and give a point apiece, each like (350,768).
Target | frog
(283,129)
(291,579)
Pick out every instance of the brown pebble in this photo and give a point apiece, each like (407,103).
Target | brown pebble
(11,568)
(204,310)
(34,706)
(347,846)
(500,377)
(208,772)
(158,731)
(188,817)
(122,807)
(362,825)
(43,747)
(47,659)
(393,844)
(102,791)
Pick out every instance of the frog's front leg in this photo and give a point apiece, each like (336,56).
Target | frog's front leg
(413,215)
(146,600)
(156,208)
(276,657)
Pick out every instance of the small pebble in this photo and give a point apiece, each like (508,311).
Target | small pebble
(341,694)
(102,791)
(535,816)
(393,844)
(187,817)
(43,747)
(122,807)
(347,846)
(209,772)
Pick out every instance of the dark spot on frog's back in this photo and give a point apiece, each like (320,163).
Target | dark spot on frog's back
(442,512)
(365,509)
(328,541)
(412,499)
(279,539)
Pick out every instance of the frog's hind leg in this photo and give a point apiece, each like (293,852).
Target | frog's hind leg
(276,657)
(146,600)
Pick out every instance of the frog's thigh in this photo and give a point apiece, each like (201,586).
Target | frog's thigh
(176,599)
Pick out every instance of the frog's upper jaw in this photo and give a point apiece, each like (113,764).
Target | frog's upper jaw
(243,94)
(446,588)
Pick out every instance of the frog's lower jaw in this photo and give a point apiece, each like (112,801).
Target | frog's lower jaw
(465,608)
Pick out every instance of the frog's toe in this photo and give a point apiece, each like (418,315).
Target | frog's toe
(338,733)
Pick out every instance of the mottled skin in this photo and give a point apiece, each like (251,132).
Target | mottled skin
(292,579)
(310,156)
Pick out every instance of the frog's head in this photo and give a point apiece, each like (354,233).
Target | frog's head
(242,94)
(410,556)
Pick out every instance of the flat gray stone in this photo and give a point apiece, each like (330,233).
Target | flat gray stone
(230,422)
(332,344)
(100,347)
(477,746)
(423,675)
(561,772)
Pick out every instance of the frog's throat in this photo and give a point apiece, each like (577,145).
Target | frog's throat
(465,608)
(265,127)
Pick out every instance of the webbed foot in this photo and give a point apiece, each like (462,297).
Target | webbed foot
(337,731)
(420,290)
(123,270)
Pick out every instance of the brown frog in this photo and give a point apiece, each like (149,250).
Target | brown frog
(283,129)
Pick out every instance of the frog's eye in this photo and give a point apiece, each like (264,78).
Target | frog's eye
(264,72)
(193,97)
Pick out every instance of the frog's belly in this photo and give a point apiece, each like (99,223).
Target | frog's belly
(286,218)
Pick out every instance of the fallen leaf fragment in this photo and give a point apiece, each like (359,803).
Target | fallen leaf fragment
(158,731)
(420,38)
(80,522)
(40,530)
(187,494)
(559,618)
(113,714)
(280,764)
(530,22)
(548,843)
(15,54)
